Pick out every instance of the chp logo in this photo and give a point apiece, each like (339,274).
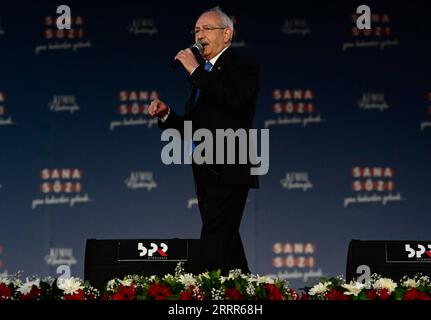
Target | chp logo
(293,107)
(295,261)
(61,186)
(141,180)
(133,108)
(371,101)
(63,103)
(427,124)
(63,39)
(418,252)
(373,185)
(5,118)
(296,26)
(143,26)
(296,180)
(379,34)
(154,252)
(60,256)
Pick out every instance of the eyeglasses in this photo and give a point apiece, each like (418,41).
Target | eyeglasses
(206,29)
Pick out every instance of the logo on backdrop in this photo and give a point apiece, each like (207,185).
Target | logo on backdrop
(154,252)
(192,202)
(373,185)
(143,26)
(133,109)
(378,35)
(295,261)
(60,256)
(5,118)
(296,180)
(237,40)
(141,180)
(1,260)
(427,123)
(2,32)
(293,107)
(418,252)
(371,101)
(61,187)
(63,39)
(296,26)
(63,103)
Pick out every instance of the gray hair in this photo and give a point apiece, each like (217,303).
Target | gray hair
(226,21)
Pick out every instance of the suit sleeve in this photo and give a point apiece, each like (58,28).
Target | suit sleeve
(235,90)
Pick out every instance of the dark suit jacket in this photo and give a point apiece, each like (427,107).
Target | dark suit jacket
(227,99)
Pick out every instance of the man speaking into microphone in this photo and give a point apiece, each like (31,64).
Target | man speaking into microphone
(224,94)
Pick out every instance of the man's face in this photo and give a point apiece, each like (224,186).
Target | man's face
(215,40)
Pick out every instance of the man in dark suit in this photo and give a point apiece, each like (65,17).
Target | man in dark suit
(224,93)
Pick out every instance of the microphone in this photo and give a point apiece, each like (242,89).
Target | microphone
(196,49)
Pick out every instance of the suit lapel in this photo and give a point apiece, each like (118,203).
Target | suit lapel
(218,66)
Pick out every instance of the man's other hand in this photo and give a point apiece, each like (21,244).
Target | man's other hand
(158,108)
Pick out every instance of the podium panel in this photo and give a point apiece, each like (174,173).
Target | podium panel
(108,259)
(393,259)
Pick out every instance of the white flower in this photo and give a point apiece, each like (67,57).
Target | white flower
(234,274)
(250,289)
(264,280)
(206,275)
(111,284)
(10,280)
(168,277)
(25,288)
(319,288)
(424,280)
(6,281)
(353,288)
(385,283)
(70,285)
(217,294)
(410,283)
(127,282)
(187,280)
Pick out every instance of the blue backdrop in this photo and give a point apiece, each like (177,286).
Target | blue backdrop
(349,113)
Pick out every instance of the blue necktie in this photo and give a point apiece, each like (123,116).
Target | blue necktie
(208,66)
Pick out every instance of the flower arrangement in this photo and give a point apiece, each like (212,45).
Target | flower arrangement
(12,288)
(377,288)
(213,286)
(205,286)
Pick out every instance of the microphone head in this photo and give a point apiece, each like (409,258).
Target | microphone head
(196,49)
(198,46)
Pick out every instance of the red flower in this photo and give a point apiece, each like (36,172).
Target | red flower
(413,294)
(379,294)
(233,294)
(334,294)
(80,295)
(186,295)
(125,293)
(159,291)
(34,293)
(5,291)
(274,292)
